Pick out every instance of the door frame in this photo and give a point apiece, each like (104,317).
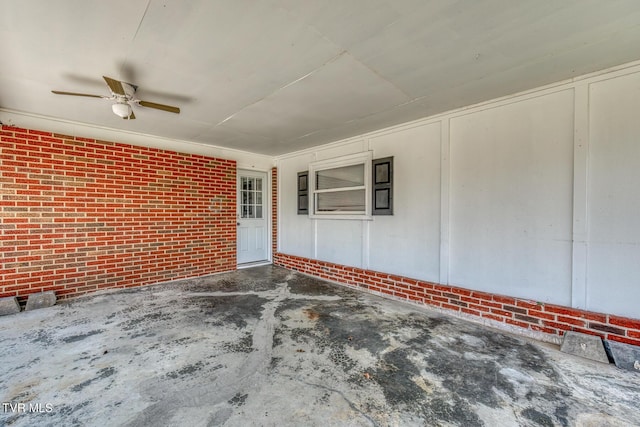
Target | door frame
(267,214)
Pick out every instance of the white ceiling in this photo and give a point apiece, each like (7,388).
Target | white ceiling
(276,76)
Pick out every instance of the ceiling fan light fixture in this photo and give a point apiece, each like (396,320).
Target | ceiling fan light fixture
(121,109)
(123,96)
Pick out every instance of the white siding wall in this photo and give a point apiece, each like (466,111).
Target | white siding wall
(613,268)
(511,198)
(534,196)
(295,232)
(408,243)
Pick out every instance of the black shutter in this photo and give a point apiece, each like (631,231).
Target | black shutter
(303,193)
(382,172)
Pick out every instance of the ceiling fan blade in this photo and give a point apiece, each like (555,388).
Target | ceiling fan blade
(58,92)
(131,117)
(114,85)
(163,107)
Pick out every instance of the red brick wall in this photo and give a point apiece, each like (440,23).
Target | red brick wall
(78,215)
(545,318)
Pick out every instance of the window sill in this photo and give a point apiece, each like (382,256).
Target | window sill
(336,216)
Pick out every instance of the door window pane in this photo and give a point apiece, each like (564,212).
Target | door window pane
(251,197)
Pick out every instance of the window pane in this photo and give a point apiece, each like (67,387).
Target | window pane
(258,184)
(259,197)
(346,176)
(258,211)
(244,183)
(251,212)
(250,198)
(341,201)
(245,198)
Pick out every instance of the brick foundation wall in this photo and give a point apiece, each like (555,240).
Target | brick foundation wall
(530,315)
(78,215)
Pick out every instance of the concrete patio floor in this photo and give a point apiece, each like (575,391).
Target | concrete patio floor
(265,346)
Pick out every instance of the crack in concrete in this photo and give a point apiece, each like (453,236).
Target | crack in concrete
(340,393)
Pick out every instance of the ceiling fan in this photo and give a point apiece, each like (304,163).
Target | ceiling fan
(124,96)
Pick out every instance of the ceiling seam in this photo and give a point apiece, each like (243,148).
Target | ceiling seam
(144,14)
(395,107)
(381,76)
(315,70)
(346,50)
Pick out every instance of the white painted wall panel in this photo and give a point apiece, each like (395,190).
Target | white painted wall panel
(340,241)
(408,243)
(341,150)
(511,198)
(613,275)
(295,232)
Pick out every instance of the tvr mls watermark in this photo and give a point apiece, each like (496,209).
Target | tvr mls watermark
(23,408)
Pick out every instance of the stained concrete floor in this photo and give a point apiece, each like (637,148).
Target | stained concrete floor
(266,347)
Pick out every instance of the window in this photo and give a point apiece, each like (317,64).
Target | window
(250,197)
(340,188)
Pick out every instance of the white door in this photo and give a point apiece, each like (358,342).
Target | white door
(252,217)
